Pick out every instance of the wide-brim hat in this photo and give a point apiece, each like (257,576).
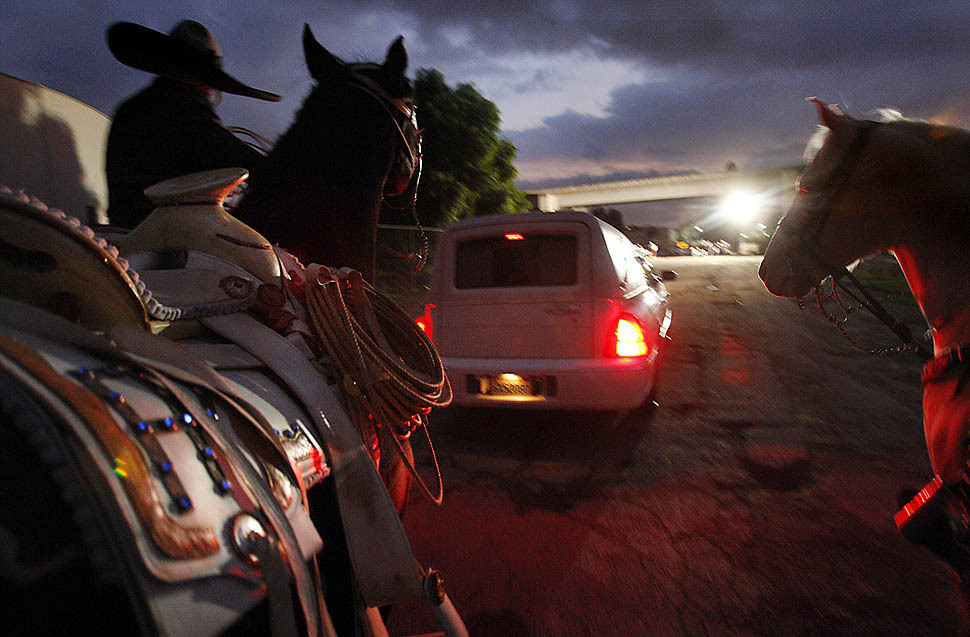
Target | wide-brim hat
(189,59)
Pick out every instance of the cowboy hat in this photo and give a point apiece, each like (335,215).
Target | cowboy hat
(189,53)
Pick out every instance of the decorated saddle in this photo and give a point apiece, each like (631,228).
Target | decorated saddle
(190,390)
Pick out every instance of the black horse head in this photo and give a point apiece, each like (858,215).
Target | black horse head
(354,140)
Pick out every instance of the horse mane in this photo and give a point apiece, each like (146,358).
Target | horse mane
(884,115)
(950,143)
(888,115)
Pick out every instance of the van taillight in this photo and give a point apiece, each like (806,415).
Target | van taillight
(424,321)
(627,338)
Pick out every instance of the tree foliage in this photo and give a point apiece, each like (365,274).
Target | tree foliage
(468,168)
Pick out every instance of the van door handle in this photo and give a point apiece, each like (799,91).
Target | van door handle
(564,309)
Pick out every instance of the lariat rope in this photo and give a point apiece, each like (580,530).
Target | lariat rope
(388,366)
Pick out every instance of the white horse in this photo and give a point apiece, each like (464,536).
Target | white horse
(902,186)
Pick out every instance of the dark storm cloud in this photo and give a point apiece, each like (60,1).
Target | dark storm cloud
(709,81)
(753,114)
(792,34)
(737,72)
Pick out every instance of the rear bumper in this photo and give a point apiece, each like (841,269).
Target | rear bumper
(607,384)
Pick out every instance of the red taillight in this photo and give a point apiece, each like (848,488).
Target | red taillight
(627,340)
(424,321)
(514,236)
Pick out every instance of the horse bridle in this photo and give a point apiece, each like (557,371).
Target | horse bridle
(395,107)
(809,235)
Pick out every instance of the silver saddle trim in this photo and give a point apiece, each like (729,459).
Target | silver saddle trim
(201,286)
(224,355)
(136,346)
(386,569)
(177,362)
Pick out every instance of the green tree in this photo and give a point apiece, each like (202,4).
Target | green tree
(468,168)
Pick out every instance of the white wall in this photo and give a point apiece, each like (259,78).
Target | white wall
(52,146)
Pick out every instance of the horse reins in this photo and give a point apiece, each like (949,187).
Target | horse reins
(808,240)
(387,101)
(395,394)
(410,111)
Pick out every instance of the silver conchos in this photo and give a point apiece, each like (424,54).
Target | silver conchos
(245,531)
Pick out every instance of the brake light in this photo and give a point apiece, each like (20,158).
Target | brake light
(424,321)
(627,339)
(514,236)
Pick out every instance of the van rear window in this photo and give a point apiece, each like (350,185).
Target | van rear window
(520,261)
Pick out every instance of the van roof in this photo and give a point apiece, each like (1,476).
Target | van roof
(524,217)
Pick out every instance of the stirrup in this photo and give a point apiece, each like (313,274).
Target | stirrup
(939,519)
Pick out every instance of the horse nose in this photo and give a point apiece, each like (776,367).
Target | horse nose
(764,270)
(777,280)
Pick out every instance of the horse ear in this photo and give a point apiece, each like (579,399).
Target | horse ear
(832,117)
(322,63)
(397,58)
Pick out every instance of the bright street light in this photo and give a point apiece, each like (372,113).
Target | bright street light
(741,206)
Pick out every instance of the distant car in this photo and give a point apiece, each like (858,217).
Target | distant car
(546,310)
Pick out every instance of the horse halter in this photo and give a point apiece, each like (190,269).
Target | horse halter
(395,107)
(809,234)
(810,231)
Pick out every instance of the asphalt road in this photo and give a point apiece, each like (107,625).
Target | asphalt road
(756,498)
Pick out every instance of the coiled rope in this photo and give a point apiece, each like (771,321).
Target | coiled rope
(388,365)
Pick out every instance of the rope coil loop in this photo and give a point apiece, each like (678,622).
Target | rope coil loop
(388,365)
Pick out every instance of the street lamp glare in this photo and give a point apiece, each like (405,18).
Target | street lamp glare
(741,206)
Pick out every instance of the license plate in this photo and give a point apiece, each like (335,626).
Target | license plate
(506,385)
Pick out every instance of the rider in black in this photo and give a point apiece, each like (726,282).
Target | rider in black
(170,128)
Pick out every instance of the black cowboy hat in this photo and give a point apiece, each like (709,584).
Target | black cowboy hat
(189,53)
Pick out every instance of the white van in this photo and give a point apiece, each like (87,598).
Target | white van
(546,310)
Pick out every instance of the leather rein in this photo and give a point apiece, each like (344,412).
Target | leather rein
(406,107)
(808,238)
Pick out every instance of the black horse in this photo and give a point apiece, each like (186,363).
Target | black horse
(354,140)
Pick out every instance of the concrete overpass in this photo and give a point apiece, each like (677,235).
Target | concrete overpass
(779,182)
